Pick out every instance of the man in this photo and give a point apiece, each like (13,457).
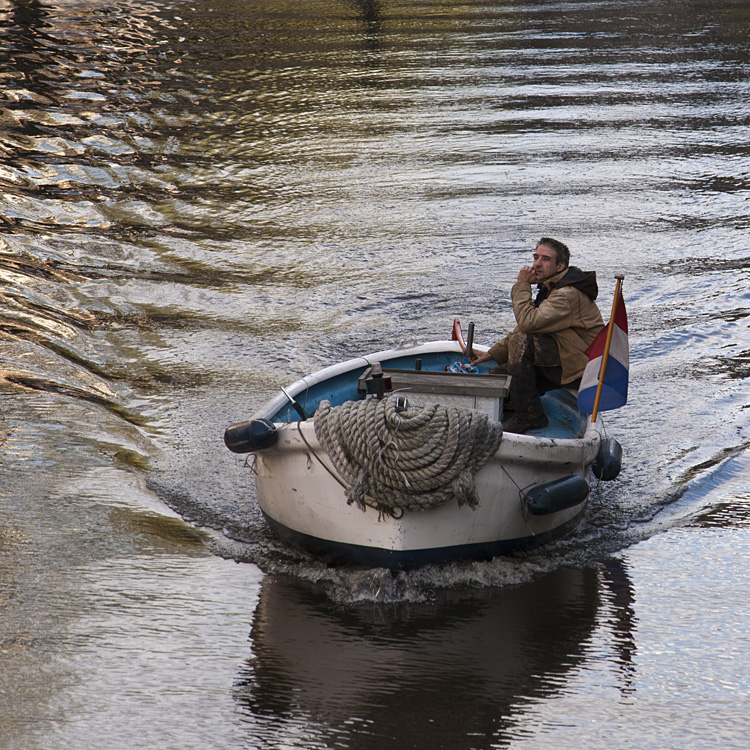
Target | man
(547,348)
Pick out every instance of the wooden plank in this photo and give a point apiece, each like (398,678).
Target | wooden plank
(430,381)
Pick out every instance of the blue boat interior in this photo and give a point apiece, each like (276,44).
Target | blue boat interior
(565,421)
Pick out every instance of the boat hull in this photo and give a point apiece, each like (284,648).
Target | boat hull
(304,500)
(300,494)
(338,553)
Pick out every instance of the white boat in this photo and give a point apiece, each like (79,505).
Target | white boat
(529,490)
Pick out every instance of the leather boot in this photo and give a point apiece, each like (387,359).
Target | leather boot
(523,423)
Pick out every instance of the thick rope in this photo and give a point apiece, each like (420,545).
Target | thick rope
(406,460)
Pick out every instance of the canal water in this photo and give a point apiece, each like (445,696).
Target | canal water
(200,202)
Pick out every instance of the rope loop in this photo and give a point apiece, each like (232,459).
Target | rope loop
(415,459)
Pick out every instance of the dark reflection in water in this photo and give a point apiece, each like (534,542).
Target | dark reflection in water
(452,673)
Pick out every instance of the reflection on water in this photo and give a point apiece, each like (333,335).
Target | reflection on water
(110,605)
(201,202)
(452,673)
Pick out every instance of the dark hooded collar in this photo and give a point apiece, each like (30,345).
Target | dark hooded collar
(583,281)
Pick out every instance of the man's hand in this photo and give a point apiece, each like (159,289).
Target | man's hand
(526,274)
(480,357)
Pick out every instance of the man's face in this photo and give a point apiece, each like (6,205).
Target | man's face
(545,263)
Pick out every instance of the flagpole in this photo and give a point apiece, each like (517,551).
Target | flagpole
(605,355)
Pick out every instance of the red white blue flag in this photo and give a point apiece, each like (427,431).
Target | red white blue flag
(615,387)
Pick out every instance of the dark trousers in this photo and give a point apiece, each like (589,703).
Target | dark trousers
(535,368)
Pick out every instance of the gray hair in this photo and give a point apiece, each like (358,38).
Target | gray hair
(561,250)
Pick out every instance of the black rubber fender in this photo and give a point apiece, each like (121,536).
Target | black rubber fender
(557,495)
(608,461)
(248,437)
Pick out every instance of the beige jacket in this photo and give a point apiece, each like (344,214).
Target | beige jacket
(568,313)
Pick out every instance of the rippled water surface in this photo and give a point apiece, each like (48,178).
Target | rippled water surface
(199,203)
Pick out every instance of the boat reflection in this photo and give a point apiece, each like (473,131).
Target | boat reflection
(455,672)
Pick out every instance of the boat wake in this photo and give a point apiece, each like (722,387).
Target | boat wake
(618,516)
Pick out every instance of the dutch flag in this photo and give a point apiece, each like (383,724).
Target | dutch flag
(615,387)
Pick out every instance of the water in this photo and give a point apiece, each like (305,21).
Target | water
(202,202)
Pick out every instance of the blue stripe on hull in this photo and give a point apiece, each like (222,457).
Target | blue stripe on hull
(375,557)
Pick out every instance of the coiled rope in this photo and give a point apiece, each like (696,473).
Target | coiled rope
(414,459)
